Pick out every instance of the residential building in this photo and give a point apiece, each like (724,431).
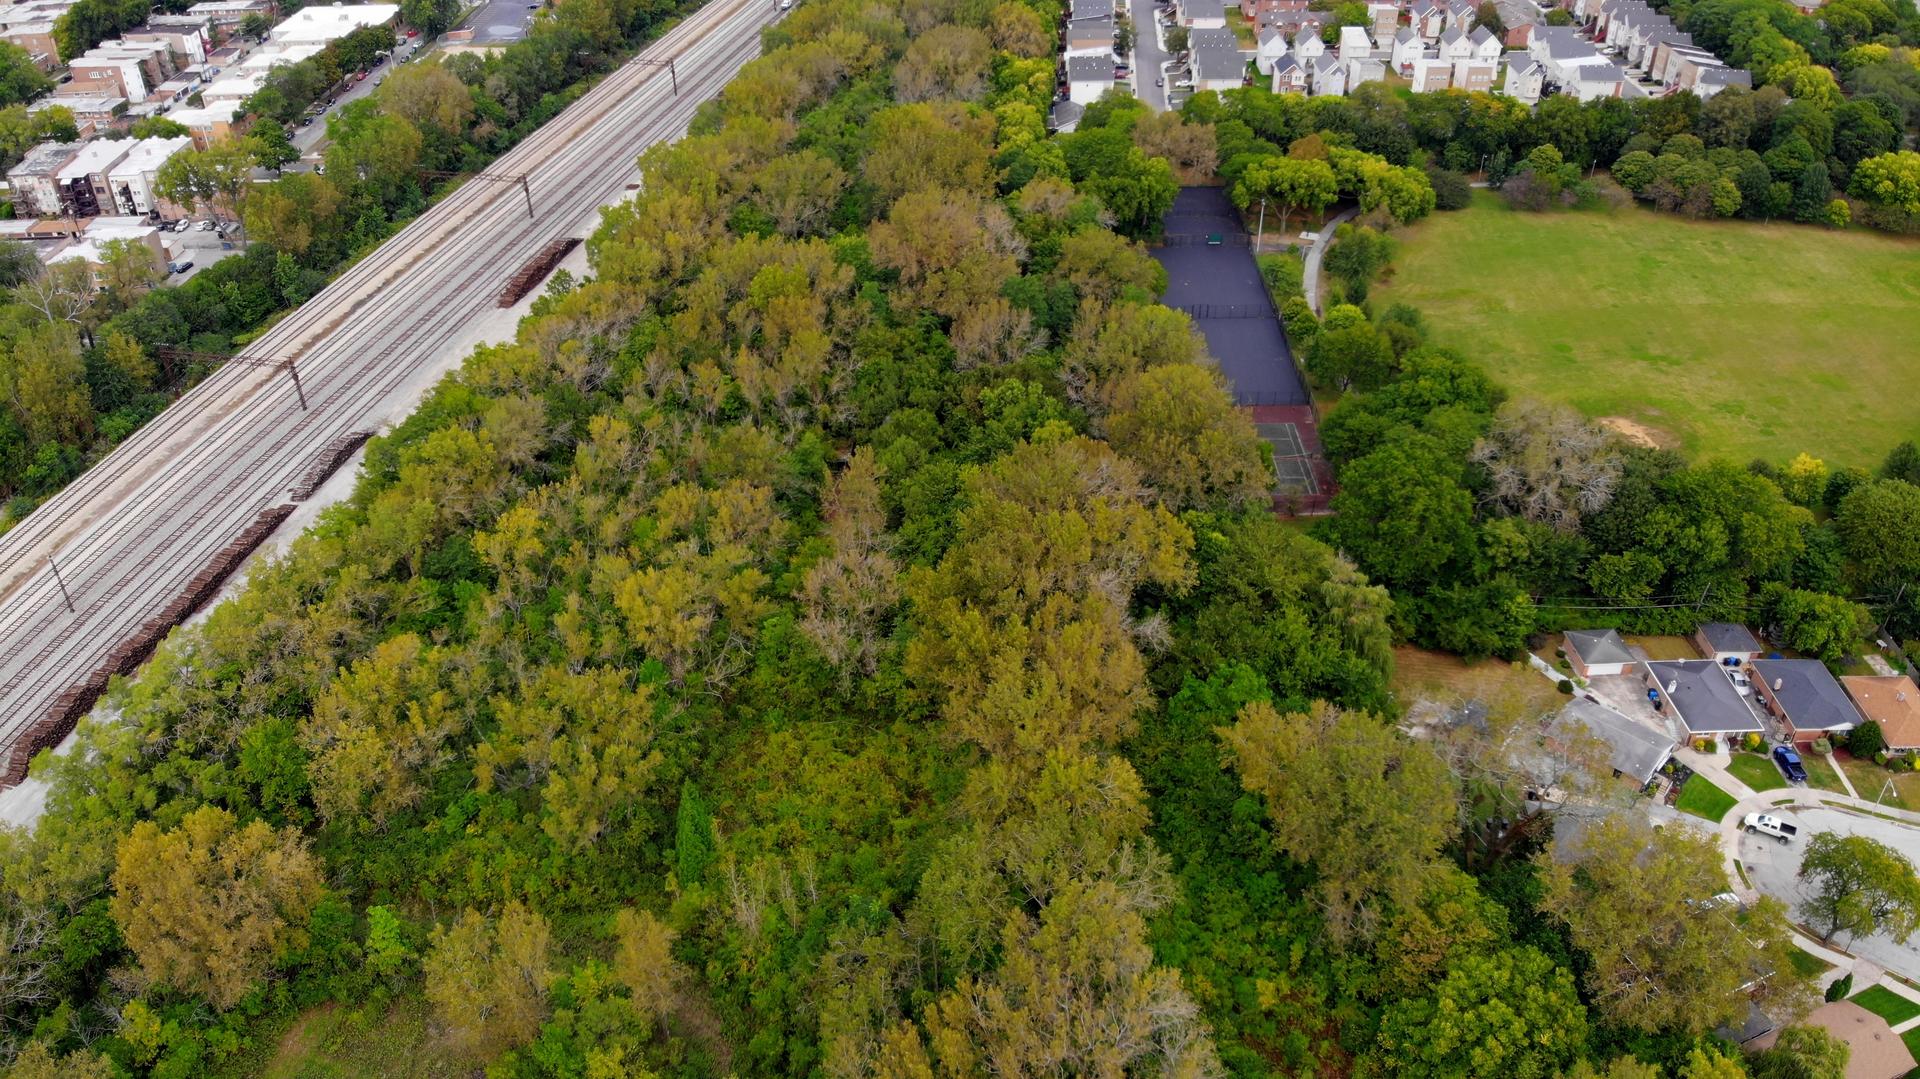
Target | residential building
(1428,18)
(1430,73)
(92,113)
(1270,46)
(37,39)
(188,38)
(1874,1051)
(1329,76)
(1526,78)
(1459,14)
(206,125)
(1289,77)
(1476,75)
(1891,701)
(1635,750)
(1307,46)
(225,16)
(1385,18)
(1089,37)
(1354,43)
(97,74)
(82,182)
(320,25)
(90,245)
(1455,45)
(1714,80)
(1088,78)
(1699,693)
(1065,116)
(1519,17)
(1201,14)
(1726,642)
(1407,47)
(1595,653)
(1214,55)
(1483,45)
(1805,696)
(34,182)
(132,179)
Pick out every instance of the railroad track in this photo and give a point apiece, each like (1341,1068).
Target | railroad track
(132,531)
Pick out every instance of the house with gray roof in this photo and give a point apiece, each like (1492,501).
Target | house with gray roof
(1216,59)
(1723,641)
(1636,750)
(1089,78)
(1804,696)
(1699,693)
(1595,652)
(1202,14)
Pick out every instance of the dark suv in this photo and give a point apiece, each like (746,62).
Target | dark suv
(1789,762)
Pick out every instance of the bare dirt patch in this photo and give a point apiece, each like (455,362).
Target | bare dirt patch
(1638,433)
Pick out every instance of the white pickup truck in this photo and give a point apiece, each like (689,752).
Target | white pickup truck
(1761,824)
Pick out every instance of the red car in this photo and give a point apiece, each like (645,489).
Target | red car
(413,33)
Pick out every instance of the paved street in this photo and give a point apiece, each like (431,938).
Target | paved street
(132,533)
(1148,56)
(499,22)
(307,139)
(1773,868)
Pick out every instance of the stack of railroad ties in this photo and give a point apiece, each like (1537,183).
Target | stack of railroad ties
(129,654)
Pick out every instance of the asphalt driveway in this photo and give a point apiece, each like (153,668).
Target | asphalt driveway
(1148,56)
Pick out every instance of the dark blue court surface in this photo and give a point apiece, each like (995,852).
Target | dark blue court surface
(1211,275)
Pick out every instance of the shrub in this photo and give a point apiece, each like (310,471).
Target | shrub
(1822,746)
(1867,740)
(1755,743)
(1566,687)
(1706,745)
(1840,987)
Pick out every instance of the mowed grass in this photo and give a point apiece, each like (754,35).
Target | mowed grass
(1729,339)
(1886,1004)
(1419,673)
(1702,798)
(1808,964)
(1757,772)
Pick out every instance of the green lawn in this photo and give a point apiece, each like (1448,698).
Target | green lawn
(1912,1038)
(1728,339)
(1702,799)
(1756,771)
(1820,773)
(1886,1004)
(1808,964)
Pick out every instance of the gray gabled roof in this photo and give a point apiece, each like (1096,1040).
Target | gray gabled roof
(1406,34)
(1701,694)
(1729,637)
(1600,646)
(1481,34)
(1727,76)
(1637,749)
(1089,68)
(1809,693)
(1067,113)
(1452,35)
(1204,9)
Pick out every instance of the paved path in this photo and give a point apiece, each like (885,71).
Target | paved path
(1148,55)
(1310,269)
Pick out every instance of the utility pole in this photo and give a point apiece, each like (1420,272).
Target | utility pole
(520,178)
(62,582)
(169,352)
(1260,238)
(672,71)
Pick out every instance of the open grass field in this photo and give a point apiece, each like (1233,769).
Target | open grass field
(1886,1004)
(1870,782)
(1702,799)
(1419,673)
(1726,339)
(1756,771)
(1665,647)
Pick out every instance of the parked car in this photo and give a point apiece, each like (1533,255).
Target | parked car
(1789,762)
(1761,824)
(413,33)
(180,267)
(207,225)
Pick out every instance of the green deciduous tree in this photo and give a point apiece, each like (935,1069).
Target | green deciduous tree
(1192,445)
(1512,1012)
(1860,886)
(487,977)
(1293,185)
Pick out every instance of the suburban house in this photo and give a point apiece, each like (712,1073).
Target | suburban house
(1459,14)
(1699,693)
(1725,641)
(1713,80)
(1088,37)
(1891,701)
(1307,46)
(1355,44)
(1088,77)
(1519,17)
(1484,45)
(1202,14)
(1272,45)
(1591,82)
(1407,47)
(1636,750)
(1216,59)
(1805,696)
(1329,77)
(1430,74)
(1593,653)
(1476,74)
(1455,45)
(1289,77)
(1385,18)
(1065,115)
(1428,19)
(1574,65)
(1526,78)
(1874,1050)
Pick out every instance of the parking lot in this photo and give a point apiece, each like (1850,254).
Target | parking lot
(1774,867)
(203,248)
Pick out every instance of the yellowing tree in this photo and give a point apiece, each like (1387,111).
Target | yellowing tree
(643,961)
(487,978)
(207,907)
(1369,807)
(377,731)
(1193,446)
